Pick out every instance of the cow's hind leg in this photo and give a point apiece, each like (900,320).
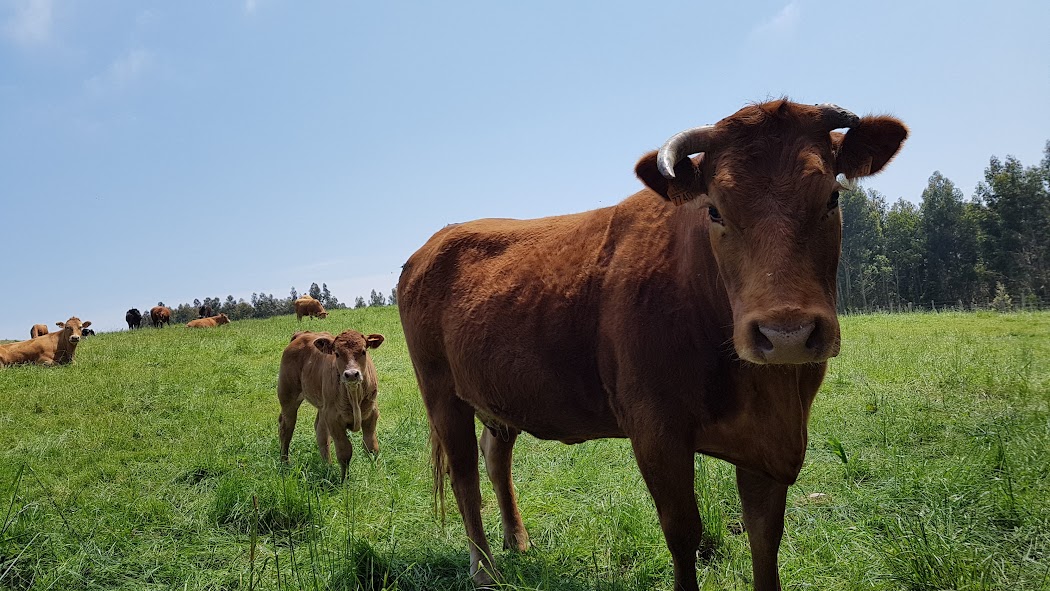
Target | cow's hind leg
(763,501)
(290,399)
(497,447)
(668,472)
(452,425)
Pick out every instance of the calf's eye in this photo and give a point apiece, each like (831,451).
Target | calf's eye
(834,201)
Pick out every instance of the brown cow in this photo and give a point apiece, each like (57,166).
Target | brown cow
(38,330)
(308,306)
(209,321)
(697,315)
(336,375)
(56,348)
(159,315)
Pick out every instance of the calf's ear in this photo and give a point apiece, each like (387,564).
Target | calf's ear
(60,324)
(86,324)
(373,341)
(688,182)
(325,345)
(868,146)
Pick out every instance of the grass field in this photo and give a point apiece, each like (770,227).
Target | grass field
(151,463)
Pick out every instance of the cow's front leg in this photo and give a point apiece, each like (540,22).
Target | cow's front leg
(763,501)
(668,472)
(321,432)
(343,449)
(368,431)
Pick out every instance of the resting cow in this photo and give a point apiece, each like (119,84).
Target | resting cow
(38,330)
(308,306)
(697,315)
(208,322)
(133,318)
(56,348)
(336,375)
(159,315)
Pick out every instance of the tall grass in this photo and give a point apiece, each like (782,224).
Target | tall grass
(151,463)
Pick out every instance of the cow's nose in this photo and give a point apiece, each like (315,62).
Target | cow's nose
(352,375)
(787,343)
(74,339)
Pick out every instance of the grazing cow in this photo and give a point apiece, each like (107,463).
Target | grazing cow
(56,348)
(697,315)
(38,330)
(159,315)
(336,375)
(133,318)
(205,311)
(308,306)
(208,322)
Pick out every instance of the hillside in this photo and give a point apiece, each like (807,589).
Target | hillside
(136,468)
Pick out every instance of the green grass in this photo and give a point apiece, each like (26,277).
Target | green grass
(151,463)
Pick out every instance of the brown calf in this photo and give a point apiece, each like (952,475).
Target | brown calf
(308,306)
(56,348)
(336,375)
(38,330)
(160,315)
(696,316)
(208,322)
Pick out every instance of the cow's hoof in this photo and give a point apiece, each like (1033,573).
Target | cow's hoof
(518,542)
(485,578)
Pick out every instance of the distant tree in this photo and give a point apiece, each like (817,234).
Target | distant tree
(359,302)
(161,304)
(861,243)
(950,243)
(183,313)
(315,291)
(293,294)
(196,302)
(326,296)
(393,297)
(376,299)
(903,247)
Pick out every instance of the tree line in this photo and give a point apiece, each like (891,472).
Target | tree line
(264,305)
(992,250)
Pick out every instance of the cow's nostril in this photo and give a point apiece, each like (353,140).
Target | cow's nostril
(815,342)
(761,341)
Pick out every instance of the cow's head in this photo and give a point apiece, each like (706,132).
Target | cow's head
(350,349)
(222,319)
(324,314)
(765,186)
(73,329)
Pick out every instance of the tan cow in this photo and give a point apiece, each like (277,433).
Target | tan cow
(56,348)
(696,316)
(209,321)
(336,375)
(38,330)
(308,306)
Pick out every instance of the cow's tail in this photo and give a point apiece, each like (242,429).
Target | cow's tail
(439,463)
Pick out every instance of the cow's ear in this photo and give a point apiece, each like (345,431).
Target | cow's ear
(85,324)
(688,183)
(373,341)
(60,324)
(868,146)
(325,345)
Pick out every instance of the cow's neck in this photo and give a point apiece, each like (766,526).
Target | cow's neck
(65,349)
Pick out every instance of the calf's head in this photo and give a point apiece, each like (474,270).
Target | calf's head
(73,329)
(350,350)
(765,187)
(222,319)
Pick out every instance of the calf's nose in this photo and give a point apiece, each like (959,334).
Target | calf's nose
(787,343)
(352,375)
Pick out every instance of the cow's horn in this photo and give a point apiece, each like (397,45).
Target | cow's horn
(680,145)
(835,117)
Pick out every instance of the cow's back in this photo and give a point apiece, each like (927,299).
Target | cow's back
(515,309)
(304,368)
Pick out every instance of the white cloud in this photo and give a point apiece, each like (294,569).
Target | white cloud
(122,72)
(781,25)
(31,23)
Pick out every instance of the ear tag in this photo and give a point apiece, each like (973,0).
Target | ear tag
(679,196)
(844,182)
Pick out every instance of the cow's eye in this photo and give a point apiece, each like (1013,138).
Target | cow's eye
(834,201)
(715,216)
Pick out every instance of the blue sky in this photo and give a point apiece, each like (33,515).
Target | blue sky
(177,150)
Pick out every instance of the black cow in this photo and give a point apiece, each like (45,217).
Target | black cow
(134,318)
